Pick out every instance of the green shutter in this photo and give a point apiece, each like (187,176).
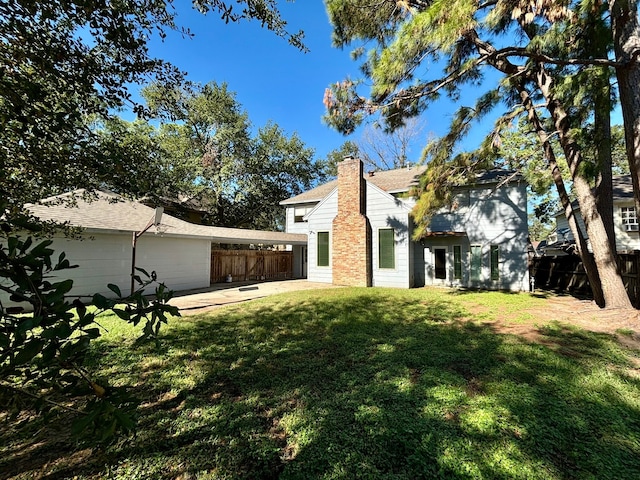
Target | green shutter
(386,248)
(457,262)
(476,262)
(495,270)
(323,249)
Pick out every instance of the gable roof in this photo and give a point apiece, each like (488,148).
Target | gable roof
(390,181)
(622,187)
(400,180)
(109,212)
(622,190)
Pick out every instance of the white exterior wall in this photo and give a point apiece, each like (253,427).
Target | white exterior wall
(425,256)
(180,263)
(625,241)
(562,223)
(291,225)
(488,217)
(385,211)
(320,220)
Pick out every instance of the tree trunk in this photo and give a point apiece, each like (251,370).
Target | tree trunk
(588,261)
(602,141)
(604,179)
(614,292)
(626,41)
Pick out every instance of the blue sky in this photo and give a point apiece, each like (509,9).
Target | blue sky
(273,80)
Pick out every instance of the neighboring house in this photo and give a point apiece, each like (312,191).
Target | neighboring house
(178,251)
(360,232)
(625,222)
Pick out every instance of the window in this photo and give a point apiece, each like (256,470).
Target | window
(323,249)
(476,262)
(495,260)
(457,262)
(299,212)
(629,219)
(386,248)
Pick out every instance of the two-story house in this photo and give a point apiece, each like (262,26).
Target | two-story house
(625,221)
(360,232)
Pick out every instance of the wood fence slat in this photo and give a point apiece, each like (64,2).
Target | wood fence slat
(566,274)
(250,265)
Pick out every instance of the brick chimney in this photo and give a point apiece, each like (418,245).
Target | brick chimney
(351,244)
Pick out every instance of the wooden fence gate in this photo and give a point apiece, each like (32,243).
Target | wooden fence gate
(250,265)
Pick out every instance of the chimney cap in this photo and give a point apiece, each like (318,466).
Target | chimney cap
(348,157)
(371,173)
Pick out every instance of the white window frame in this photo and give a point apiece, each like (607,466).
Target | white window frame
(299,212)
(629,218)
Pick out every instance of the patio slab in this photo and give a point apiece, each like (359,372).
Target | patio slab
(191,302)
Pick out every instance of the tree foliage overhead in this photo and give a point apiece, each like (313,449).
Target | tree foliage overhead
(65,62)
(207,153)
(65,69)
(335,156)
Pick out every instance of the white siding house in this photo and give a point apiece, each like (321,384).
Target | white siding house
(625,220)
(178,251)
(105,257)
(480,242)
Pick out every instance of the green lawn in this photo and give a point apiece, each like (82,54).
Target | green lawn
(359,383)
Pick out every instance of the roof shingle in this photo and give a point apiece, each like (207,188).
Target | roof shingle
(391,181)
(110,212)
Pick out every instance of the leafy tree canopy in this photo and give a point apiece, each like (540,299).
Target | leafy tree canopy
(335,156)
(553,61)
(66,63)
(208,154)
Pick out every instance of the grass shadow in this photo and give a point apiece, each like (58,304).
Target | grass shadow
(357,383)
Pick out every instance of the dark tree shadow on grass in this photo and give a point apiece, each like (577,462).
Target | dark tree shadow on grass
(374,385)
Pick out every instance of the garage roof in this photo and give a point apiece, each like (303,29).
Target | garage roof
(108,212)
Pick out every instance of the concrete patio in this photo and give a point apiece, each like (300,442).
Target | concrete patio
(191,302)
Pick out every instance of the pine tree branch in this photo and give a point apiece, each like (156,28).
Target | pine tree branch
(541,57)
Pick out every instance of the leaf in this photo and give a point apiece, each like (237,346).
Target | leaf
(123,314)
(125,421)
(92,332)
(101,301)
(82,423)
(63,287)
(81,309)
(146,274)
(115,289)
(28,351)
(41,249)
